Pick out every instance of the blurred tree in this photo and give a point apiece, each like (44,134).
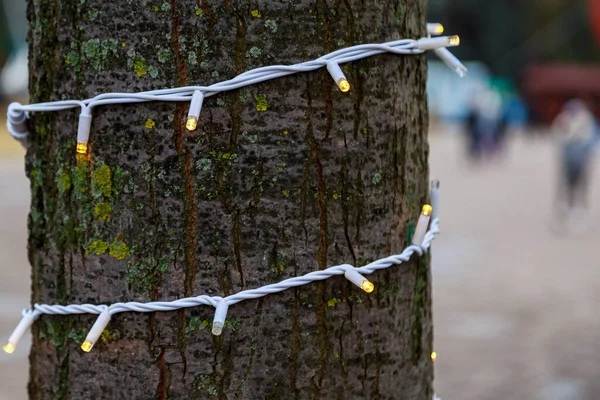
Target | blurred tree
(281,178)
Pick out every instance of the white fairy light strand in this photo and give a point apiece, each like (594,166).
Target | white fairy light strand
(17,114)
(221,304)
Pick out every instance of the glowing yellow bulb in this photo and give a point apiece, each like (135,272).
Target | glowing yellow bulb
(191,124)
(9,348)
(439,29)
(367,286)
(427,210)
(82,148)
(87,346)
(433,355)
(453,41)
(344,85)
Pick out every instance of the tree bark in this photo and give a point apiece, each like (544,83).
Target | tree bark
(280,179)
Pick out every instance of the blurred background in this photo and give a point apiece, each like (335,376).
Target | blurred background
(515,280)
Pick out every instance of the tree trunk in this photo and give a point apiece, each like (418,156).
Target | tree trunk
(280,179)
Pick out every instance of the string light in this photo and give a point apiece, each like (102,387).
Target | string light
(27,320)
(338,76)
(221,304)
(97,329)
(445,55)
(194,112)
(422,224)
(433,356)
(17,114)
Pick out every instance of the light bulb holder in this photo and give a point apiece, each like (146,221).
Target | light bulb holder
(338,76)
(27,320)
(97,329)
(220,316)
(194,111)
(451,61)
(422,225)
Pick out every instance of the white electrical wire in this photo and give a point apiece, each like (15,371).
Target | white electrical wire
(221,304)
(17,113)
(17,126)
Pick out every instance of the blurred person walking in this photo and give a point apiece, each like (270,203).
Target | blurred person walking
(576,130)
(483,123)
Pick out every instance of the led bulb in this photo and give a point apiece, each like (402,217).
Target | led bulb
(9,348)
(453,40)
(338,76)
(220,315)
(367,286)
(26,321)
(433,356)
(194,111)
(94,333)
(426,210)
(358,279)
(344,85)
(191,123)
(82,148)
(435,29)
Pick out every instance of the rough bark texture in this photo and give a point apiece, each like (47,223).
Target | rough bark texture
(280,179)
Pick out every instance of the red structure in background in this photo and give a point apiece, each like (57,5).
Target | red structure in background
(594,8)
(548,87)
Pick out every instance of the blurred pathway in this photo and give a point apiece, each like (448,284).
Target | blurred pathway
(516,306)
(14,270)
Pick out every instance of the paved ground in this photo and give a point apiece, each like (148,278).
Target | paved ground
(516,305)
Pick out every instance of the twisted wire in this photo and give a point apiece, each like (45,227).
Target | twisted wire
(251,77)
(249,294)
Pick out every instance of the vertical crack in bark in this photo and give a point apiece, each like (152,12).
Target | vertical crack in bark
(322,252)
(189,196)
(227,365)
(189,200)
(375,394)
(162,390)
(341,344)
(345,200)
(182,342)
(240,51)
(295,343)
(235,233)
